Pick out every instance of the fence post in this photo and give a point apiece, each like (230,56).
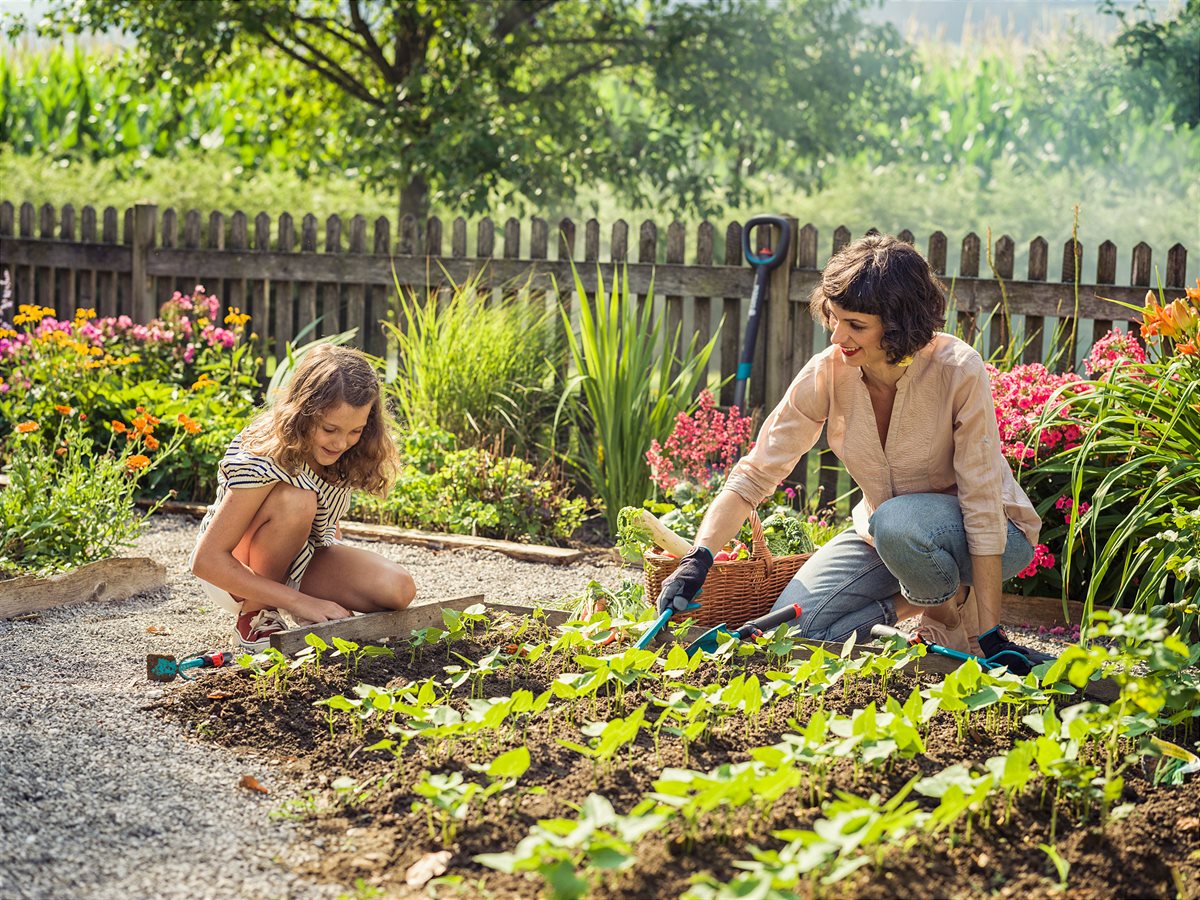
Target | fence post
(777,367)
(145,218)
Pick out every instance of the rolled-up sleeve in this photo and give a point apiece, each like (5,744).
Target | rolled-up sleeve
(977,460)
(788,433)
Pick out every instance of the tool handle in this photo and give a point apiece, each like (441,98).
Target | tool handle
(770,620)
(884,631)
(776,256)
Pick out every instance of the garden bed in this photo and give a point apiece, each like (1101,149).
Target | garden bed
(358,803)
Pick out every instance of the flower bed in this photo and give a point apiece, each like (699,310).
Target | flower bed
(503,756)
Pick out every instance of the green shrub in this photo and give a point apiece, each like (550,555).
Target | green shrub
(473,491)
(479,368)
(184,363)
(69,502)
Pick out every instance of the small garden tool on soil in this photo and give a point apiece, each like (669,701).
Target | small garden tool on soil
(167,668)
(887,631)
(763,262)
(658,624)
(710,640)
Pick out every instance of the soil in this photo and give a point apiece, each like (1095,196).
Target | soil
(368,846)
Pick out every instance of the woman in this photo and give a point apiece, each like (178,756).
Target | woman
(908,409)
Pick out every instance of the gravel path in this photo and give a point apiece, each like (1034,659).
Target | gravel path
(102,798)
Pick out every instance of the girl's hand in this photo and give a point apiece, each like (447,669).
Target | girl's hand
(315,610)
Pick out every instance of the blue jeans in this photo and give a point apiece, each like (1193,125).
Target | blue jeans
(920,552)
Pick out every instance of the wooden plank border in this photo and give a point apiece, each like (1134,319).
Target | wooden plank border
(102,581)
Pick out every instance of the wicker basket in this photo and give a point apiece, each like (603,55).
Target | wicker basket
(735,591)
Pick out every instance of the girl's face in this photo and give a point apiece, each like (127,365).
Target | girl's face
(859,337)
(337,430)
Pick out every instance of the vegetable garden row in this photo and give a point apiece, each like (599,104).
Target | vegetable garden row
(501,755)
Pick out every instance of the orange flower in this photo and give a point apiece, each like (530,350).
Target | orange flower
(1151,316)
(151,443)
(26,427)
(1193,293)
(118,427)
(1177,319)
(61,451)
(142,409)
(1187,349)
(191,426)
(137,462)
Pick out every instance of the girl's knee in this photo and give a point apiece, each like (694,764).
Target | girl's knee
(290,504)
(398,588)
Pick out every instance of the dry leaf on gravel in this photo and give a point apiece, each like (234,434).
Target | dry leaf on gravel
(162,630)
(428,866)
(250,783)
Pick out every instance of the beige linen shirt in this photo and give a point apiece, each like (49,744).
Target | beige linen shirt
(942,438)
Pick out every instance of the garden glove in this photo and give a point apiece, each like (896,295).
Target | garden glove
(999,650)
(680,589)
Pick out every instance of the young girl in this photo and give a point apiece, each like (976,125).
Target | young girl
(270,540)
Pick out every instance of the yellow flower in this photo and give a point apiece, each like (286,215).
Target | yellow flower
(137,462)
(236,317)
(26,427)
(84,314)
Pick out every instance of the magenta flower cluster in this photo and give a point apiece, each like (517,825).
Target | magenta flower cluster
(1042,559)
(703,444)
(190,322)
(1065,504)
(1021,396)
(1115,347)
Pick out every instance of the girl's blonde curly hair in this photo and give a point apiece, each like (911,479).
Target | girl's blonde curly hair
(327,376)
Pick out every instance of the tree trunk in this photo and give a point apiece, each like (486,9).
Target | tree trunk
(414,201)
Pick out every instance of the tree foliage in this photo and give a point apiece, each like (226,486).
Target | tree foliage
(466,103)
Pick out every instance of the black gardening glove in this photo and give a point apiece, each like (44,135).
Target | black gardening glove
(999,650)
(680,589)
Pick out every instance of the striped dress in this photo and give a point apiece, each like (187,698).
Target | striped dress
(243,469)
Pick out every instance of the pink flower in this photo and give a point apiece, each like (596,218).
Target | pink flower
(189,354)
(1115,347)
(703,444)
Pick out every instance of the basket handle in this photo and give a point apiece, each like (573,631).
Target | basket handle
(758,541)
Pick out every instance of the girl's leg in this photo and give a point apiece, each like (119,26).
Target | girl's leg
(277,534)
(844,588)
(358,579)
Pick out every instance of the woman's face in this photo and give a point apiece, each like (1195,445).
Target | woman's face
(858,335)
(337,430)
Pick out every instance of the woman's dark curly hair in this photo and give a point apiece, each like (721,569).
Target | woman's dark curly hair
(883,276)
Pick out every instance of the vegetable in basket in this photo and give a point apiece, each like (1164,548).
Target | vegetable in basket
(638,530)
(786,535)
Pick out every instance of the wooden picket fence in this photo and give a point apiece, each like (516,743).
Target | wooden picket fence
(130,262)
